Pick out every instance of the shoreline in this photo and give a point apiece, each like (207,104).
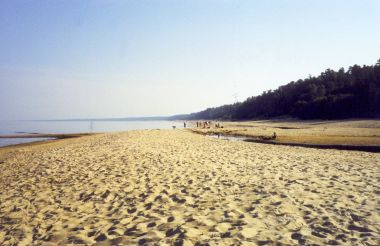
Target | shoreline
(226,132)
(46,135)
(255,139)
(54,138)
(361,135)
(364,148)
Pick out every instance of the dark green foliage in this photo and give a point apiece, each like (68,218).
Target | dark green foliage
(331,95)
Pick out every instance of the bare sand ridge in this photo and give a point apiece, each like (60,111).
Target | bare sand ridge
(176,187)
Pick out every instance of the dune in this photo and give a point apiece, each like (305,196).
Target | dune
(174,187)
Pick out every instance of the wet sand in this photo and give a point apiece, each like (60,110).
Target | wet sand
(177,187)
(329,133)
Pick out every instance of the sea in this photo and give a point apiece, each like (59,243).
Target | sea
(8,127)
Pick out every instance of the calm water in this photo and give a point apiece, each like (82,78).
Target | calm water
(19,127)
(11,141)
(230,138)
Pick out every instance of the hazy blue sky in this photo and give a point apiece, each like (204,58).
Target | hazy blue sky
(76,59)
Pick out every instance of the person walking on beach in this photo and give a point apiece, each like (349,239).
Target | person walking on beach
(184,124)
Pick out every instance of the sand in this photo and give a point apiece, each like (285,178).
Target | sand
(175,187)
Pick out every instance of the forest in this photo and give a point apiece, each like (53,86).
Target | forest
(331,95)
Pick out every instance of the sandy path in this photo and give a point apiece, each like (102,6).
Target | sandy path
(176,187)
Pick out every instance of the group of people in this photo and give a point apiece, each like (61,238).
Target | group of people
(202,124)
(207,124)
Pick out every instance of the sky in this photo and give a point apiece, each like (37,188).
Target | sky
(102,58)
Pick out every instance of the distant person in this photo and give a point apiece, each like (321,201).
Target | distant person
(184,124)
(197,124)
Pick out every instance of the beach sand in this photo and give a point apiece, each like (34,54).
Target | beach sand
(175,187)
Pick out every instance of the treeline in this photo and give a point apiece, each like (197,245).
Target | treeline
(331,95)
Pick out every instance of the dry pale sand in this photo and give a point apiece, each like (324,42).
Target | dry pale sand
(175,187)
